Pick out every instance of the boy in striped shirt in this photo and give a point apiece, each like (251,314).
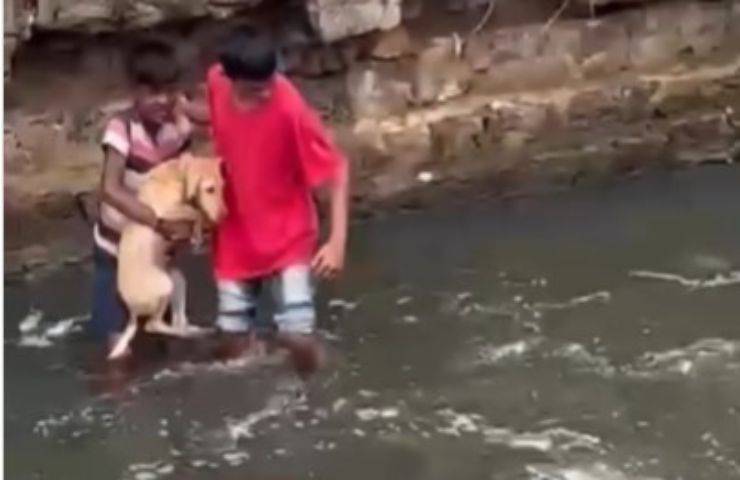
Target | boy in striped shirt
(153,130)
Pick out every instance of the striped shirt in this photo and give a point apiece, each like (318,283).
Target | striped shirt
(126,135)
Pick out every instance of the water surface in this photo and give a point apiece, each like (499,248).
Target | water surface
(588,335)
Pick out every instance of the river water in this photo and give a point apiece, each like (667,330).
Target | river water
(593,334)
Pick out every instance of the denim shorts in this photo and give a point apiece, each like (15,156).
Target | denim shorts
(292,294)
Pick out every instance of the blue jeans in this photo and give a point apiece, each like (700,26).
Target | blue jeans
(109,313)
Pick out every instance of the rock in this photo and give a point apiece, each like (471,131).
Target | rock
(89,15)
(392,44)
(456,137)
(655,51)
(440,73)
(221,9)
(9,46)
(516,43)
(376,97)
(290,60)
(701,130)
(537,72)
(515,140)
(564,40)
(311,64)
(331,61)
(596,104)
(703,28)
(606,48)
(456,6)
(337,19)
(17,158)
(57,205)
(412,9)
(27,258)
(478,53)
(411,146)
(523,116)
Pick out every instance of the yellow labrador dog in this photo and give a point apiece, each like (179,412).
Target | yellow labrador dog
(186,188)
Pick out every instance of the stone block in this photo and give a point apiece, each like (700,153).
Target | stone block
(704,28)
(478,53)
(564,40)
(595,104)
(516,43)
(373,96)
(440,73)
(501,118)
(532,73)
(392,44)
(606,48)
(337,19)
(456,137)
(655,51)
(412,9)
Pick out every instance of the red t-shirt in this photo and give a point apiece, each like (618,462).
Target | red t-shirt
(272,156)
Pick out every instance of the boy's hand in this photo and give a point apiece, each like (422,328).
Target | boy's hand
(176,230)
(328,262)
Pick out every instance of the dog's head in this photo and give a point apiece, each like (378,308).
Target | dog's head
(204,185)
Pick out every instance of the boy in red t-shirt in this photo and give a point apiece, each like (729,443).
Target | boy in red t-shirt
(275,153)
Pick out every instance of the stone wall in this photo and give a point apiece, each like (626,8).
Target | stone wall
(518,106)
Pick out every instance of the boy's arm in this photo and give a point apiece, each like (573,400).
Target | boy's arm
(324,165)
(115,193)
(329,260)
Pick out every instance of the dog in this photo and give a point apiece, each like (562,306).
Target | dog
(186,188)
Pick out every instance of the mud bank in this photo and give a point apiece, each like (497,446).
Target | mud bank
(422,109)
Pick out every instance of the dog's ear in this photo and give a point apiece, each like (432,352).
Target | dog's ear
(192,177)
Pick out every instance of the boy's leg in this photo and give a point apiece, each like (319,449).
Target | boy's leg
(295,316)
(108,314)
(292,292)
(237,305)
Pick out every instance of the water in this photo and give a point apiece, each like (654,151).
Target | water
(587,335)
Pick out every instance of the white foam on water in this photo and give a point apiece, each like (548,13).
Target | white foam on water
(340,303)
(716,281)
(31,321)
(457,423)
(580,471)
(151,471)
(705,356)
(277,405)
(228,367)
(497,354)
(35,334)
(585,360)
(236,458)
(601,296)
(556,441)
(370,414)
(35,341)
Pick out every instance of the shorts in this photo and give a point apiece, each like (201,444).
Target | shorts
(292,294)
(109,313)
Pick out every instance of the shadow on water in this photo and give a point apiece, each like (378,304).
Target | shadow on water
(589,335)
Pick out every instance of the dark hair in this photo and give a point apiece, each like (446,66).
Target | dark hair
(153,63)
(248,54)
